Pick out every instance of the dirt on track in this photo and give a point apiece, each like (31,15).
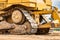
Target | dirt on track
(53,36)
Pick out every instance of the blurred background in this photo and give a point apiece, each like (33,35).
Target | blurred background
(56,3)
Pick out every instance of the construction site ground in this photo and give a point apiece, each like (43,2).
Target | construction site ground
(49,36)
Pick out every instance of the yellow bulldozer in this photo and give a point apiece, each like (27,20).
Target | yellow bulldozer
(27,16)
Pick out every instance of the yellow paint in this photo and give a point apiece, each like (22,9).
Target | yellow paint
(43,7)
(40,4)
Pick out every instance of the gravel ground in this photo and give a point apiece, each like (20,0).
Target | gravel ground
(51,36)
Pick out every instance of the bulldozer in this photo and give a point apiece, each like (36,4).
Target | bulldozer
(27,16)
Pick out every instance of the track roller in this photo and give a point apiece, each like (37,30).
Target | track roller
(28,27)
(16,16)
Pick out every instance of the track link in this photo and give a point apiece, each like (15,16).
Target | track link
(19,29)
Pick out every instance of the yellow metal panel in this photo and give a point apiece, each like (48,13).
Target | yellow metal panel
(37,16)
(55,16)
(40,4)
(2,0)
(47,25)
(32,0)
(28,0)
(30,3)
(14,1)
(43,5)
(48,2)
(2,4)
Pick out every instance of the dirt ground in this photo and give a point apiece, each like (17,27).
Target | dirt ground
(50,36)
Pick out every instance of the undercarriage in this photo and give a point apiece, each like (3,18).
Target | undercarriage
(19,21)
